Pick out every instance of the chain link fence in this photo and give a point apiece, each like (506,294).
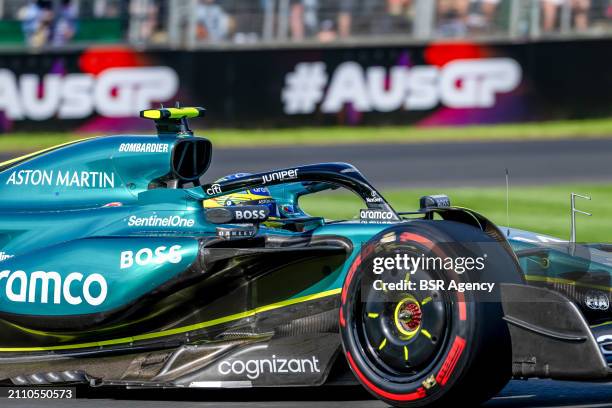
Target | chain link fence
(205,23)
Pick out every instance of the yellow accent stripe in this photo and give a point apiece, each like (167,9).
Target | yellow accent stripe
(27,156)
(152,114)
(171,113)
(65,337)
(406,353)
(426,334)
(60,337)
(179,330)
(425,301)
(562,281)
(372,315)
(600,325)
(383,344)
(178,113)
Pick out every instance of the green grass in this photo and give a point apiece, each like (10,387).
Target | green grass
(345,135)
(543,209)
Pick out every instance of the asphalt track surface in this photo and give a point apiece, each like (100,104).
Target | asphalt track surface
(442,164)
(518,394)
(437,164)
(394,166)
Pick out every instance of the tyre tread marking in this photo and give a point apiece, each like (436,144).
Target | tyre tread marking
(451,361)
(462,306)
(349,277)
(412,396)
(408,236)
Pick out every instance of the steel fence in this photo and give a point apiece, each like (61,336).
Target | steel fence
(202,23)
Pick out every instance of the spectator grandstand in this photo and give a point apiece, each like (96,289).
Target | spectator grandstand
(202,23)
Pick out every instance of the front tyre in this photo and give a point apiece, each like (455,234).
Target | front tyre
(415,347)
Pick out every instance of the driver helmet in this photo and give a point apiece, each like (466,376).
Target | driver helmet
(254,196)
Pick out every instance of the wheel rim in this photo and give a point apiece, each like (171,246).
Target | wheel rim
(408,317)
(401,336)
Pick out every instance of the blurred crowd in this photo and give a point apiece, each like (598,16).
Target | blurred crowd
(462,17)
(56,22)
(46,23)
(328,20)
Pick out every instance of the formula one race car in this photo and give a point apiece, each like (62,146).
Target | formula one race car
(121,265)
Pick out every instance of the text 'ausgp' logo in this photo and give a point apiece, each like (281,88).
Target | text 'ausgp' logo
(114,93)
(468,83)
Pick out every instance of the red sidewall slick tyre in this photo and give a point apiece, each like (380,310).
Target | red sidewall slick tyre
(464,355)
